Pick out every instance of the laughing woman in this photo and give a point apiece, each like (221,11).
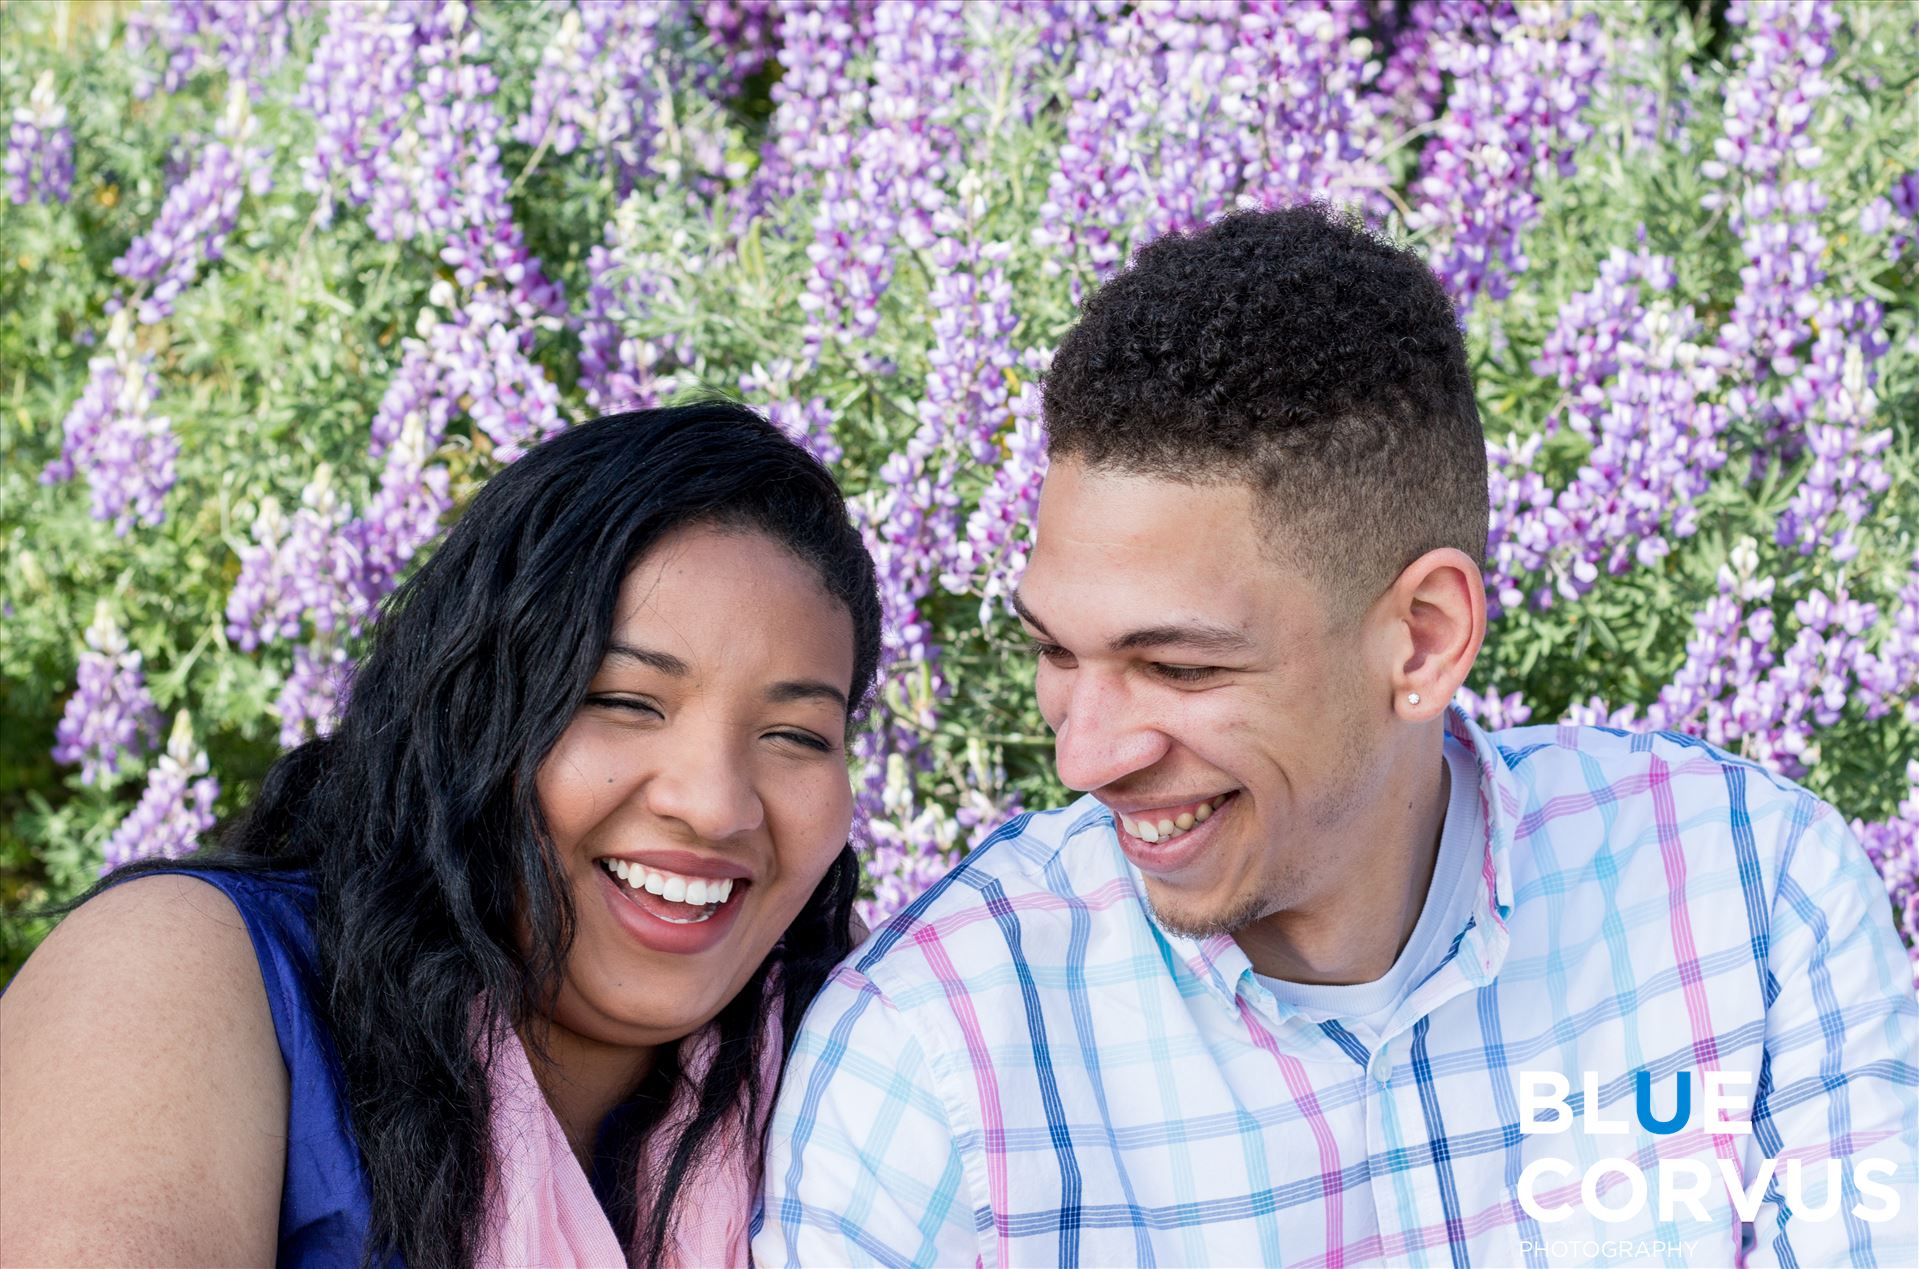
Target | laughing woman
(500,971)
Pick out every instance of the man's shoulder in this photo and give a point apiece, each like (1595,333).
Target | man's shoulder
(1572,781)
(1009,904)
(1563,757)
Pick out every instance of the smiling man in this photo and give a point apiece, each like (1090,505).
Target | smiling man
(1318,971)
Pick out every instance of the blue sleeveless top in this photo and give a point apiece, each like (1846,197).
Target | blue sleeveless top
(325,1206)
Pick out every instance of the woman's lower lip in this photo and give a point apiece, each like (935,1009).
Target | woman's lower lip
(676,938)
(1162,859)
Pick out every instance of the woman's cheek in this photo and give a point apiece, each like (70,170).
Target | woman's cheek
(577,785)
(816,825)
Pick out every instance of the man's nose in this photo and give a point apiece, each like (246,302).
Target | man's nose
(1103,736)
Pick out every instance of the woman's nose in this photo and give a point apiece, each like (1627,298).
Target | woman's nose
(706,784)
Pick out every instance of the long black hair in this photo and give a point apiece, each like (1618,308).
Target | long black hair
(437,881)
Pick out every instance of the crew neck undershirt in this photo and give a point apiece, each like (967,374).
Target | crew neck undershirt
(1365,1008)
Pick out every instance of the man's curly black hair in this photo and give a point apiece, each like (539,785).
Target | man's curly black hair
(1300,352)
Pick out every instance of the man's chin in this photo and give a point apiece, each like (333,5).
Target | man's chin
(1201,916)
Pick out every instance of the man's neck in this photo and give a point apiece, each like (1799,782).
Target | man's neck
(1354,929)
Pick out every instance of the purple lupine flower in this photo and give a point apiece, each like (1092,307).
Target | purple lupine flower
(886,185)
(1493,711)
(1770,319)
(597,87)
(248,39)
(1636,112)
(1767,142)
(1715,694)
(1736,691)
(911,521)
(483,358)
(1410,78)
(175,810)
(815,99)
(198,214)
(1515,110)
(747,33)
(442,180)
(1893,847)
(1904,197)
(110,715)
(1847,475)
(314,694)
(404,513)
(991,558)
(619,370)
(1638,383)
(563,109)
(1809,686)
(361,73)
(808,422)
(112,435)
(327,569)
(416,388)
(1182,113)
(1889,678)
(1770,100)
(911,843)
(39,162)
(300,569)
(169,28)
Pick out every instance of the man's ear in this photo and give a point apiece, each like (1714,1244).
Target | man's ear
(1435,616)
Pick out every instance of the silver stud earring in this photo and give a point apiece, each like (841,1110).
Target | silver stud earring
(1412,698)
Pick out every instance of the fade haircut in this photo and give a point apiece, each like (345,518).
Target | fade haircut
(1301,353)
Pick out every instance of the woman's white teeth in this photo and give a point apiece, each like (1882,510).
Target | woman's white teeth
(692,891)
(1160,830)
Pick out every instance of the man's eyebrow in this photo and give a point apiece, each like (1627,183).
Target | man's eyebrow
(664,662)
(1195,636)
(1026,615)
(805,690)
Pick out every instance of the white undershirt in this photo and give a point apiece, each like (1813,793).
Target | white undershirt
(1365,1008)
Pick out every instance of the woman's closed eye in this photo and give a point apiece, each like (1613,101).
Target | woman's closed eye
(804,739)
(638,706)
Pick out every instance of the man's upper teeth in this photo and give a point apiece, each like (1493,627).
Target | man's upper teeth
(671,886)
(1150,830)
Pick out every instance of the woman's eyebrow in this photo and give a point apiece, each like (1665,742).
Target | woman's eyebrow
(791,690)
(664,662)
(781,693)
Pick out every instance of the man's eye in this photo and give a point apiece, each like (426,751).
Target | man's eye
(1185,673)
(1051,652)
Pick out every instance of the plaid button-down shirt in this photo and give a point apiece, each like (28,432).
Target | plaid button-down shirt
(1025,1069)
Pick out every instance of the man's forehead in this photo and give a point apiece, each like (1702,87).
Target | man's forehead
(1111,508)
(1133,551)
